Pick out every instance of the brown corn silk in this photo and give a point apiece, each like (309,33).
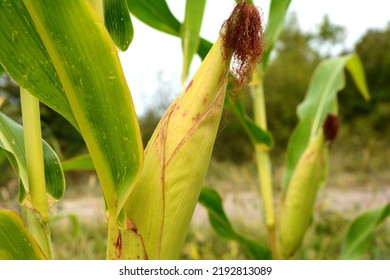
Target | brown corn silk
(242,34)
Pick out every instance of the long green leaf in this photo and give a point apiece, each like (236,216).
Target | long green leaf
(118,22)
(79,163)
(320,100)
(204,47)
(255,133)
(16,243)
(12,141)
(23,56)
(360,231)
(190,32)
(211,200)
(87,63)
(155,13)
(276,17)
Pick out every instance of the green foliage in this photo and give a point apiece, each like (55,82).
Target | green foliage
(210,199)
(80,163)
(327,80)
(255,133)
(16,242)
(360,231)
(107,134)
(190,32)
(118,22)
(276,17)
(12,142)
(374,51)
(30,67)
(72,67)
(155,13)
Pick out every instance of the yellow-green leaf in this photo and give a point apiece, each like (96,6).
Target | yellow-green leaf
(12,141)
(277,13)
(211,200)
(190,30)
(24,57)
(78,163)
(16,243)
(88,66)
(118,22)
(360,231)
(321,99)
(155,13)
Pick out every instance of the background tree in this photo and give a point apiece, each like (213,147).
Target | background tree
(372,117)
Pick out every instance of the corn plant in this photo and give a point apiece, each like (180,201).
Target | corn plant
(63,53)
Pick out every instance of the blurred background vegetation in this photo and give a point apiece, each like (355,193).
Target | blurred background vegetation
(359,159)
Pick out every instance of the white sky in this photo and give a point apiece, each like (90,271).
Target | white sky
(152,51)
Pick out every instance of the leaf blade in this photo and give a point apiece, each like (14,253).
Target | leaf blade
(12,141)
(211,200)
(320,100)
(88,66)
(118,22)
(190,31)
(277,13)
(156,14)
(23,56)
(79,163)
(359,232)
(256,134)
(16,243)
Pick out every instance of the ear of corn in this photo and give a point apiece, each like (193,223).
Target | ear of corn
(176,160)
(296,206)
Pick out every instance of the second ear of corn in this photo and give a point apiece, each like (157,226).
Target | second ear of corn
(297,204)
(177,156)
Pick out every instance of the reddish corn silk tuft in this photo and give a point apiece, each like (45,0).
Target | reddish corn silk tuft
(242,35)
(331,127)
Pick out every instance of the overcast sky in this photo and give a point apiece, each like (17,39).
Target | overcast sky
(152,52)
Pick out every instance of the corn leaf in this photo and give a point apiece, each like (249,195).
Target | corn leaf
(360,231)
(190,32)
(16,243)
(1,69)
(211,200)
(79,163)
(276,17)
(156,14)
(24,57)
(118,22)
(256,134)
(88,66)
(204,47)
(320,100)
(3,157)
(12,142)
